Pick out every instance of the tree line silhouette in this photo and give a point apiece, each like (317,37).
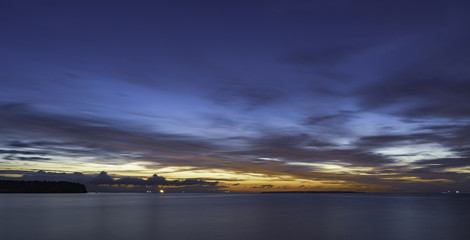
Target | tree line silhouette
(9,186)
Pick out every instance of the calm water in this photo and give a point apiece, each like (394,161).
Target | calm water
(234,216)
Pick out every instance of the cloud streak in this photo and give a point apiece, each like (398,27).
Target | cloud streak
(300,156)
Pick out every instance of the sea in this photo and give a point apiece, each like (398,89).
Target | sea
(315,216)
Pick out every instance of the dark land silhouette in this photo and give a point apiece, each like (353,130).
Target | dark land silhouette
(311,192)
(8,186)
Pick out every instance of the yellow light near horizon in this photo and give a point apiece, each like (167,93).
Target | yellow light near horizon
(61,164)
(13,175)
(458,170)
(417,179)
(161,191)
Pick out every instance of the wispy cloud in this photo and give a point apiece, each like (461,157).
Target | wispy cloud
(300,156)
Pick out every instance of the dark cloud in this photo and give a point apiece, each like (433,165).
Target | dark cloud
(443,163)
(102,178)
(377,141)
(3,151)
(155,180)
(32,144)
(18,144)
(13,155)
(192,181)
(104,182)
(130,181)
(298,148)
(264,186)
(195,189)
(334,119)
(42,175)
(26,158)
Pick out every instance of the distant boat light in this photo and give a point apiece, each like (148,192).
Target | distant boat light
(161,191)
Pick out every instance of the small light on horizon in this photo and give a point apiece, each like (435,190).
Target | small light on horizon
(161,191)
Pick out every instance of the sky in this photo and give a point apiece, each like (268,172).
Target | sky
(240,96)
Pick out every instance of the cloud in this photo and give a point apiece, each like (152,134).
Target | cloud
(26,158)
(191,181)
(3,151)
(264,186)
(102,178)
(377,141)
(42,175)
(305,148)
(71,137)
(14,172)
(32,144)
(330,120)
(104,182)
(105,141)
(157,180)
(444,163)
(271,153)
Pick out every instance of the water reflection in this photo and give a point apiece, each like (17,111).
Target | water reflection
(233,216)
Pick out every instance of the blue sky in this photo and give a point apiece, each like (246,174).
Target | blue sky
(317,95)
